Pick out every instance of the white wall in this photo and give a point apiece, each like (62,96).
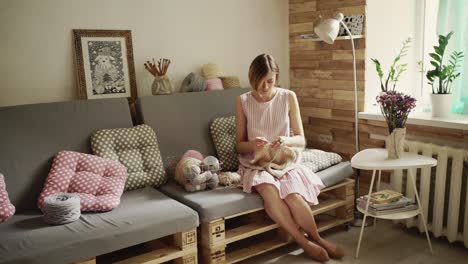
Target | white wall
(37,53)
(388,24)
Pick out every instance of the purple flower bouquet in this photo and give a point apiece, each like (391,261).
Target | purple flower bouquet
(395,107)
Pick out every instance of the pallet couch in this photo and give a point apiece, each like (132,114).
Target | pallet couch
(234,225)
(146,226)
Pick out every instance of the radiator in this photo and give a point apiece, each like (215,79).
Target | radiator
(443,190)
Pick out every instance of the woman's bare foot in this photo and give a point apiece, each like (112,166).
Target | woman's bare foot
(314,251)
(334,251)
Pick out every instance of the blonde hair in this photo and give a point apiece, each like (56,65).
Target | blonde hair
(260,67)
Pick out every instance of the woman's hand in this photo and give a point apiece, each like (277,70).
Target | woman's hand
(279,141)
(258,143)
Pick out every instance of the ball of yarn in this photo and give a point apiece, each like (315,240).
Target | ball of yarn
(193,154)
(211,163)
(211,71)
(61,208)
(230,82)
(193,83)
(214,84)
(229,178)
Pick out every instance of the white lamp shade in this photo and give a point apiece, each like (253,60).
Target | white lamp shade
(328,29)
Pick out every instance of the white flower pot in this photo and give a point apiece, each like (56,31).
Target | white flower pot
(441,104)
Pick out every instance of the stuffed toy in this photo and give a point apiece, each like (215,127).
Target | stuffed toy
(196,173)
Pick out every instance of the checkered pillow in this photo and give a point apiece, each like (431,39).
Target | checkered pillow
(137,149)
(317,160)
(223,132)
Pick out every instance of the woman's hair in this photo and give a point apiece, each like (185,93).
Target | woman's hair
(260,67)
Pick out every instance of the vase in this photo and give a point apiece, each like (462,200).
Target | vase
(161,85)
(395,143)
(441,104)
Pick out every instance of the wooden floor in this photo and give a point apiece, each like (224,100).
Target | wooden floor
(389,243)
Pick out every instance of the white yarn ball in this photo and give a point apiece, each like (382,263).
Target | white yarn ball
(212,163)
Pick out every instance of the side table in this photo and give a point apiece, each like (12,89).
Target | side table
(376,160)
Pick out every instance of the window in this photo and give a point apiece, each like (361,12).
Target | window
(389,23)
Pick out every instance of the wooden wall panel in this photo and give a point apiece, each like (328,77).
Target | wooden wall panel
(322,76)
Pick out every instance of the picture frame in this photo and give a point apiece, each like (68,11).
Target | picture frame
(104,64)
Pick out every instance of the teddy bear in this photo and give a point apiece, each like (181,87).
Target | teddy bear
(197,173)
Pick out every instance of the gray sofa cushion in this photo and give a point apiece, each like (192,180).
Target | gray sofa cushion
(143,215)
(221,202)
(182,120)
(335,173)
(31,135)
(214,204)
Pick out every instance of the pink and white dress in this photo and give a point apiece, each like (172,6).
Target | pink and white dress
(271,120)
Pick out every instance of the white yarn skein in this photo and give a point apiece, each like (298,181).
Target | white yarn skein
(61,208)
(212,163)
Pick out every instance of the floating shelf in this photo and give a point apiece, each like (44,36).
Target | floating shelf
(303,38)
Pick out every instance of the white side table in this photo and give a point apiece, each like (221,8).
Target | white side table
(376,160)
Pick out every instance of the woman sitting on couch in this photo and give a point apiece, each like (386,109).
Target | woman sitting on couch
(264,118)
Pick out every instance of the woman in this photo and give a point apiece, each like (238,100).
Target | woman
(266,116)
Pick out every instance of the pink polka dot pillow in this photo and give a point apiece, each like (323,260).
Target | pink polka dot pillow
(99,182)
(7,210)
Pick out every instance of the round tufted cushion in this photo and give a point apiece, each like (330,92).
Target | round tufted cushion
(137,149)
(7,209)
(223,132)
(99,182)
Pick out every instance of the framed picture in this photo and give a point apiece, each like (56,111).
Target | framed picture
(104,62)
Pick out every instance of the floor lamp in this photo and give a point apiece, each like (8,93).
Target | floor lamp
(327,31)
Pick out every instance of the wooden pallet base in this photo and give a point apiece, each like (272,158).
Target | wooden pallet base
(180,247)
(219,237)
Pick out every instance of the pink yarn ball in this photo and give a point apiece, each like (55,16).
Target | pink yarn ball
(214,84)
(193,154)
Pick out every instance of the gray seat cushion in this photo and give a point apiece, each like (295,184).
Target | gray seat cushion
(214,204)
(143,215)
(221,202)
(335,173)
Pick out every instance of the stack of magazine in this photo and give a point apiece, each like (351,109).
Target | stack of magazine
(386,202)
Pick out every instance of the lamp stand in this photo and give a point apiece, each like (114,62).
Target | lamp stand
(358,221)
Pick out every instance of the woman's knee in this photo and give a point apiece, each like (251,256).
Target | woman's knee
(293,198)
(267,191)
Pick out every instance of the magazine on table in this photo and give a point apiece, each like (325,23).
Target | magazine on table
(391,211)
(401,202)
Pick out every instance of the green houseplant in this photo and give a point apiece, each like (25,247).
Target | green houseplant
(395,106)
(441,76)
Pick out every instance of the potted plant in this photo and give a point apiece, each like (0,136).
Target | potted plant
(395,106)
(441,76)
